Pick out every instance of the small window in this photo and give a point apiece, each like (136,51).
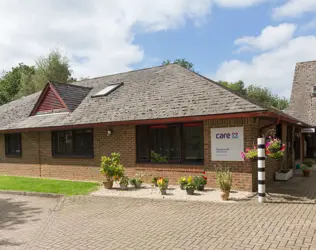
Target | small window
(13,145)
(73,143)
(314,91)
(108,89)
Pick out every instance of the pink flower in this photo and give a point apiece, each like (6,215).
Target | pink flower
(254,147)
(242,155)
(247,150)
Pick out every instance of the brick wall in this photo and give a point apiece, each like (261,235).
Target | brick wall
(37,157)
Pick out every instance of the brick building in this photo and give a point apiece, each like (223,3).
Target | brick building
(163,120)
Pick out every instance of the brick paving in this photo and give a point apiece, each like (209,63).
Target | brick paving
(286,221)
(87,222)
(21,217)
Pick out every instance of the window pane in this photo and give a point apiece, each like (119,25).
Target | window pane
(159,143)
(64,142)
(193,146)
(142,143)
(83,142)
(13,144)
(175,142)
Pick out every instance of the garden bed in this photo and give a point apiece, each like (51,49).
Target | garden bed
(173,193)
(29,184)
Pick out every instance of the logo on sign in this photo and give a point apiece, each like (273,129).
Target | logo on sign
(233,135)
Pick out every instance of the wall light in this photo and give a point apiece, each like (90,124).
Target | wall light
(109,132)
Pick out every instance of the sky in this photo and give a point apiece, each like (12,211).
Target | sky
(256,41)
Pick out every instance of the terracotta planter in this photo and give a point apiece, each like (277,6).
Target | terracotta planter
(108,184)
(224,195)
(190,191)
(200,188)
(306,173)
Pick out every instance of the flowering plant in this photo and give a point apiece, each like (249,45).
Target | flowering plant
(163,183)
(190,183)
(275,148)
(250,153)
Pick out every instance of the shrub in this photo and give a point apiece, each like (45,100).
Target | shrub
(124,180)
(305,167)
(224,179)
(163,183)
(200,180)
(308,162)
(111,167)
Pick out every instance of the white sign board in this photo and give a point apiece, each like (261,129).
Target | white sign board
(308,130)
(227,143)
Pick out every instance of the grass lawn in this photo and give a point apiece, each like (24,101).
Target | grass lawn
(46,185)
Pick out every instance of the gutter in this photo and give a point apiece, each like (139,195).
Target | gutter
(258,114)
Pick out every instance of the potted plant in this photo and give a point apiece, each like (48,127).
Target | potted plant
(200,181)
(183,182)
(250,154)
(163,185)
(224,181)
(190,187)
(306,167)
(124,183)
(154,181)
(112,169)
(138,180)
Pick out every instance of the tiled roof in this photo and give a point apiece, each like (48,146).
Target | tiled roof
(159,92)
(303,103)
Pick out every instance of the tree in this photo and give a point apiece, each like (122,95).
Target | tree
(182,62)
(261,95)
(10,82)
(54,67)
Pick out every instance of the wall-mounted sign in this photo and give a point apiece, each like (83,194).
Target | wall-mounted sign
(227,143)
(308,130)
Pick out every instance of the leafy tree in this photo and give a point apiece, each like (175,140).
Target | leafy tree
(182,62)
(10,82)
(54,67)
(261,95)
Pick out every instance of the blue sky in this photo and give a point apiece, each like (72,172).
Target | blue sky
(257,41)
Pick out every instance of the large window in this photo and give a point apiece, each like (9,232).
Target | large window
(13,144)
(175,143)
(73,143)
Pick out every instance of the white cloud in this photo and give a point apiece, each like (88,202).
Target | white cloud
(271,37)
(99,33)
(238,3)
(294,8)
(273,69)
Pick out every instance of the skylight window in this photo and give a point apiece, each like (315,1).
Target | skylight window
(108,89)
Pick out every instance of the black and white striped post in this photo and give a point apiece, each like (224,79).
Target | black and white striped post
(261,170)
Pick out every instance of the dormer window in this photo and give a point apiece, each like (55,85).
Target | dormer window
(108,89)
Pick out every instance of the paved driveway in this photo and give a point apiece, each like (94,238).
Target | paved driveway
(21,217)
(85,222)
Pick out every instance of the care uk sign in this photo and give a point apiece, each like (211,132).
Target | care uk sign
(227,143)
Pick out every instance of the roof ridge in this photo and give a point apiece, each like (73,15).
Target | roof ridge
(313,61)
(69,84)
(129,71)
(228,89)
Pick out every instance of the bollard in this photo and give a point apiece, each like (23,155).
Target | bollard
(261,170)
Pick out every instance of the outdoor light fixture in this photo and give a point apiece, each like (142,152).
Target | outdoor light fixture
(110,132)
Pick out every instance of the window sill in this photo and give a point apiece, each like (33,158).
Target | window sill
(74,156)
(171,163)
(13,156)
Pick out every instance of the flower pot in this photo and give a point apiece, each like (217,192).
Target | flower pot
(138,185)
(200,188)
(108,184)
(163,191)
(123,186)
(182,186)
(306,173)
(224,195)
(190,191)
